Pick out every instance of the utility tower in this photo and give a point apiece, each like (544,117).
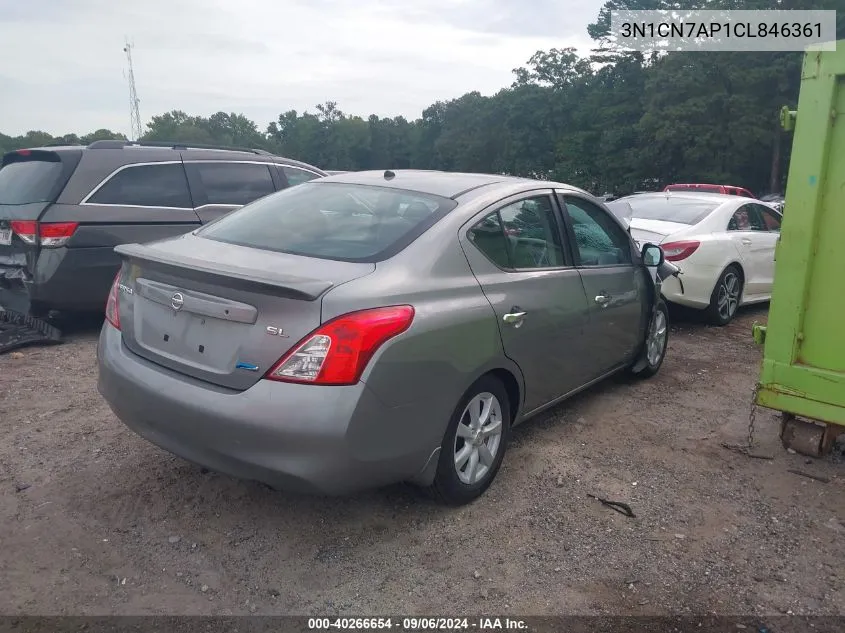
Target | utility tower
(134,114)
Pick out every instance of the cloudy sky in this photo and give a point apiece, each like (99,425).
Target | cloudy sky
(62,63)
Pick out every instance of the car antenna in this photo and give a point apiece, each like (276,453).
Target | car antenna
(389,175)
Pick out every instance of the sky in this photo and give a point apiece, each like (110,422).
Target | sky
(63,69)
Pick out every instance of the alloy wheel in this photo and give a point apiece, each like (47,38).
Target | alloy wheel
(478,438)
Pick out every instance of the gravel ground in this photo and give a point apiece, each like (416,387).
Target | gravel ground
(94,520)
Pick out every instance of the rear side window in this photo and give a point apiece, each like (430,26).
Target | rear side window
(234,183)
(332,221)
(746,218)
(770,218)
(26,181)
(489,237)
(522,235)
(533,233)
(162,185)
(297,176)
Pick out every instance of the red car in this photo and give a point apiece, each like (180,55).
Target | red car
(728,189)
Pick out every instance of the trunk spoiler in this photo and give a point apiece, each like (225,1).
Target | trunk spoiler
(295,287)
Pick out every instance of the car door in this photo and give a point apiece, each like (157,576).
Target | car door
(136,203)
(517,252)
(218,187)
(614,281)
(139,203)
(755,245)
(769,241)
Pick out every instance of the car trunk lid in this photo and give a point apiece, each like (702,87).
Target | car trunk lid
(225,313)
(654,231)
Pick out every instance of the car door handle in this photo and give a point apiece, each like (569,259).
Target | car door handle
(746,241)
(514,318)
(602,299)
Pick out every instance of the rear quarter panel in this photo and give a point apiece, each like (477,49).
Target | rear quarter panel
(701,270)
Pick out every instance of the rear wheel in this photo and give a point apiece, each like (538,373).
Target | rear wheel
(474,444)
(726,296)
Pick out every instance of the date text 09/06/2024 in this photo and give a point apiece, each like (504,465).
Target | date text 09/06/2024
(739,30)
(416,624)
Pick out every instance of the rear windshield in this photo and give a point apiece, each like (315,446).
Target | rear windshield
(332,221)
(681,210)
(26,181)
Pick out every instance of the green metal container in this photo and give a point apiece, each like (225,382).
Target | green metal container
(803,371)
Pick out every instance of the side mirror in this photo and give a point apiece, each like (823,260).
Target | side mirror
(652,255)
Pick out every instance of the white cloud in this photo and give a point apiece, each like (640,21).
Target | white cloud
(62,66)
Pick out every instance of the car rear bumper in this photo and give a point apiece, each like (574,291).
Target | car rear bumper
(314,439)
(66,279)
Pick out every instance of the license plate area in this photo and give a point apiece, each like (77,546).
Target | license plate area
(5,236)
(198,341)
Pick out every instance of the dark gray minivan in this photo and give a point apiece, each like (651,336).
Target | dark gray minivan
(63,210)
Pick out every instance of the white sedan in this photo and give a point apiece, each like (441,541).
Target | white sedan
(724,246)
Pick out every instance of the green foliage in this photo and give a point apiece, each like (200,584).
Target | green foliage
(616,121)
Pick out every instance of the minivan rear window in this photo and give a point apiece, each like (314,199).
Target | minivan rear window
(339,221)
(27,181)
(682,210)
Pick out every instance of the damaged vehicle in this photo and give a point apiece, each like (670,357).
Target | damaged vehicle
(318,342)
(64,209)
(722,245)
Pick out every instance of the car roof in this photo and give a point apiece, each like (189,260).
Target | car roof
(187,150)
(438,183)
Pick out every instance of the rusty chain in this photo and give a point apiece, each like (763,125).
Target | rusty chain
(746,449)
(752,416)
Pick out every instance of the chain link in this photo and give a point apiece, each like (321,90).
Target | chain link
(752,416)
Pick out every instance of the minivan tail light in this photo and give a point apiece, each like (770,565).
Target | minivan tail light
(338,351)
(55,234)
(676,251)
(113,304)
(27,230)
(50,234)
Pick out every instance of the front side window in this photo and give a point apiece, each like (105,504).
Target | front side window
(162,185)
(332,221)
(235,183)
(297,176)
(600,239)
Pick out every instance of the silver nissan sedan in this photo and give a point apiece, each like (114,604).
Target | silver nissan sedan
(372,327)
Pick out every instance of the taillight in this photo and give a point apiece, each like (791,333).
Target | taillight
(113,305)
(27,230)
(50,234)
(337,352)
(676,251)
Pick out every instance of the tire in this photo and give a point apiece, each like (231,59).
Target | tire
(450,487)
(730,284)
(654,356)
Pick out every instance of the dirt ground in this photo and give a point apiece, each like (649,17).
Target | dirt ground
(94,520)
